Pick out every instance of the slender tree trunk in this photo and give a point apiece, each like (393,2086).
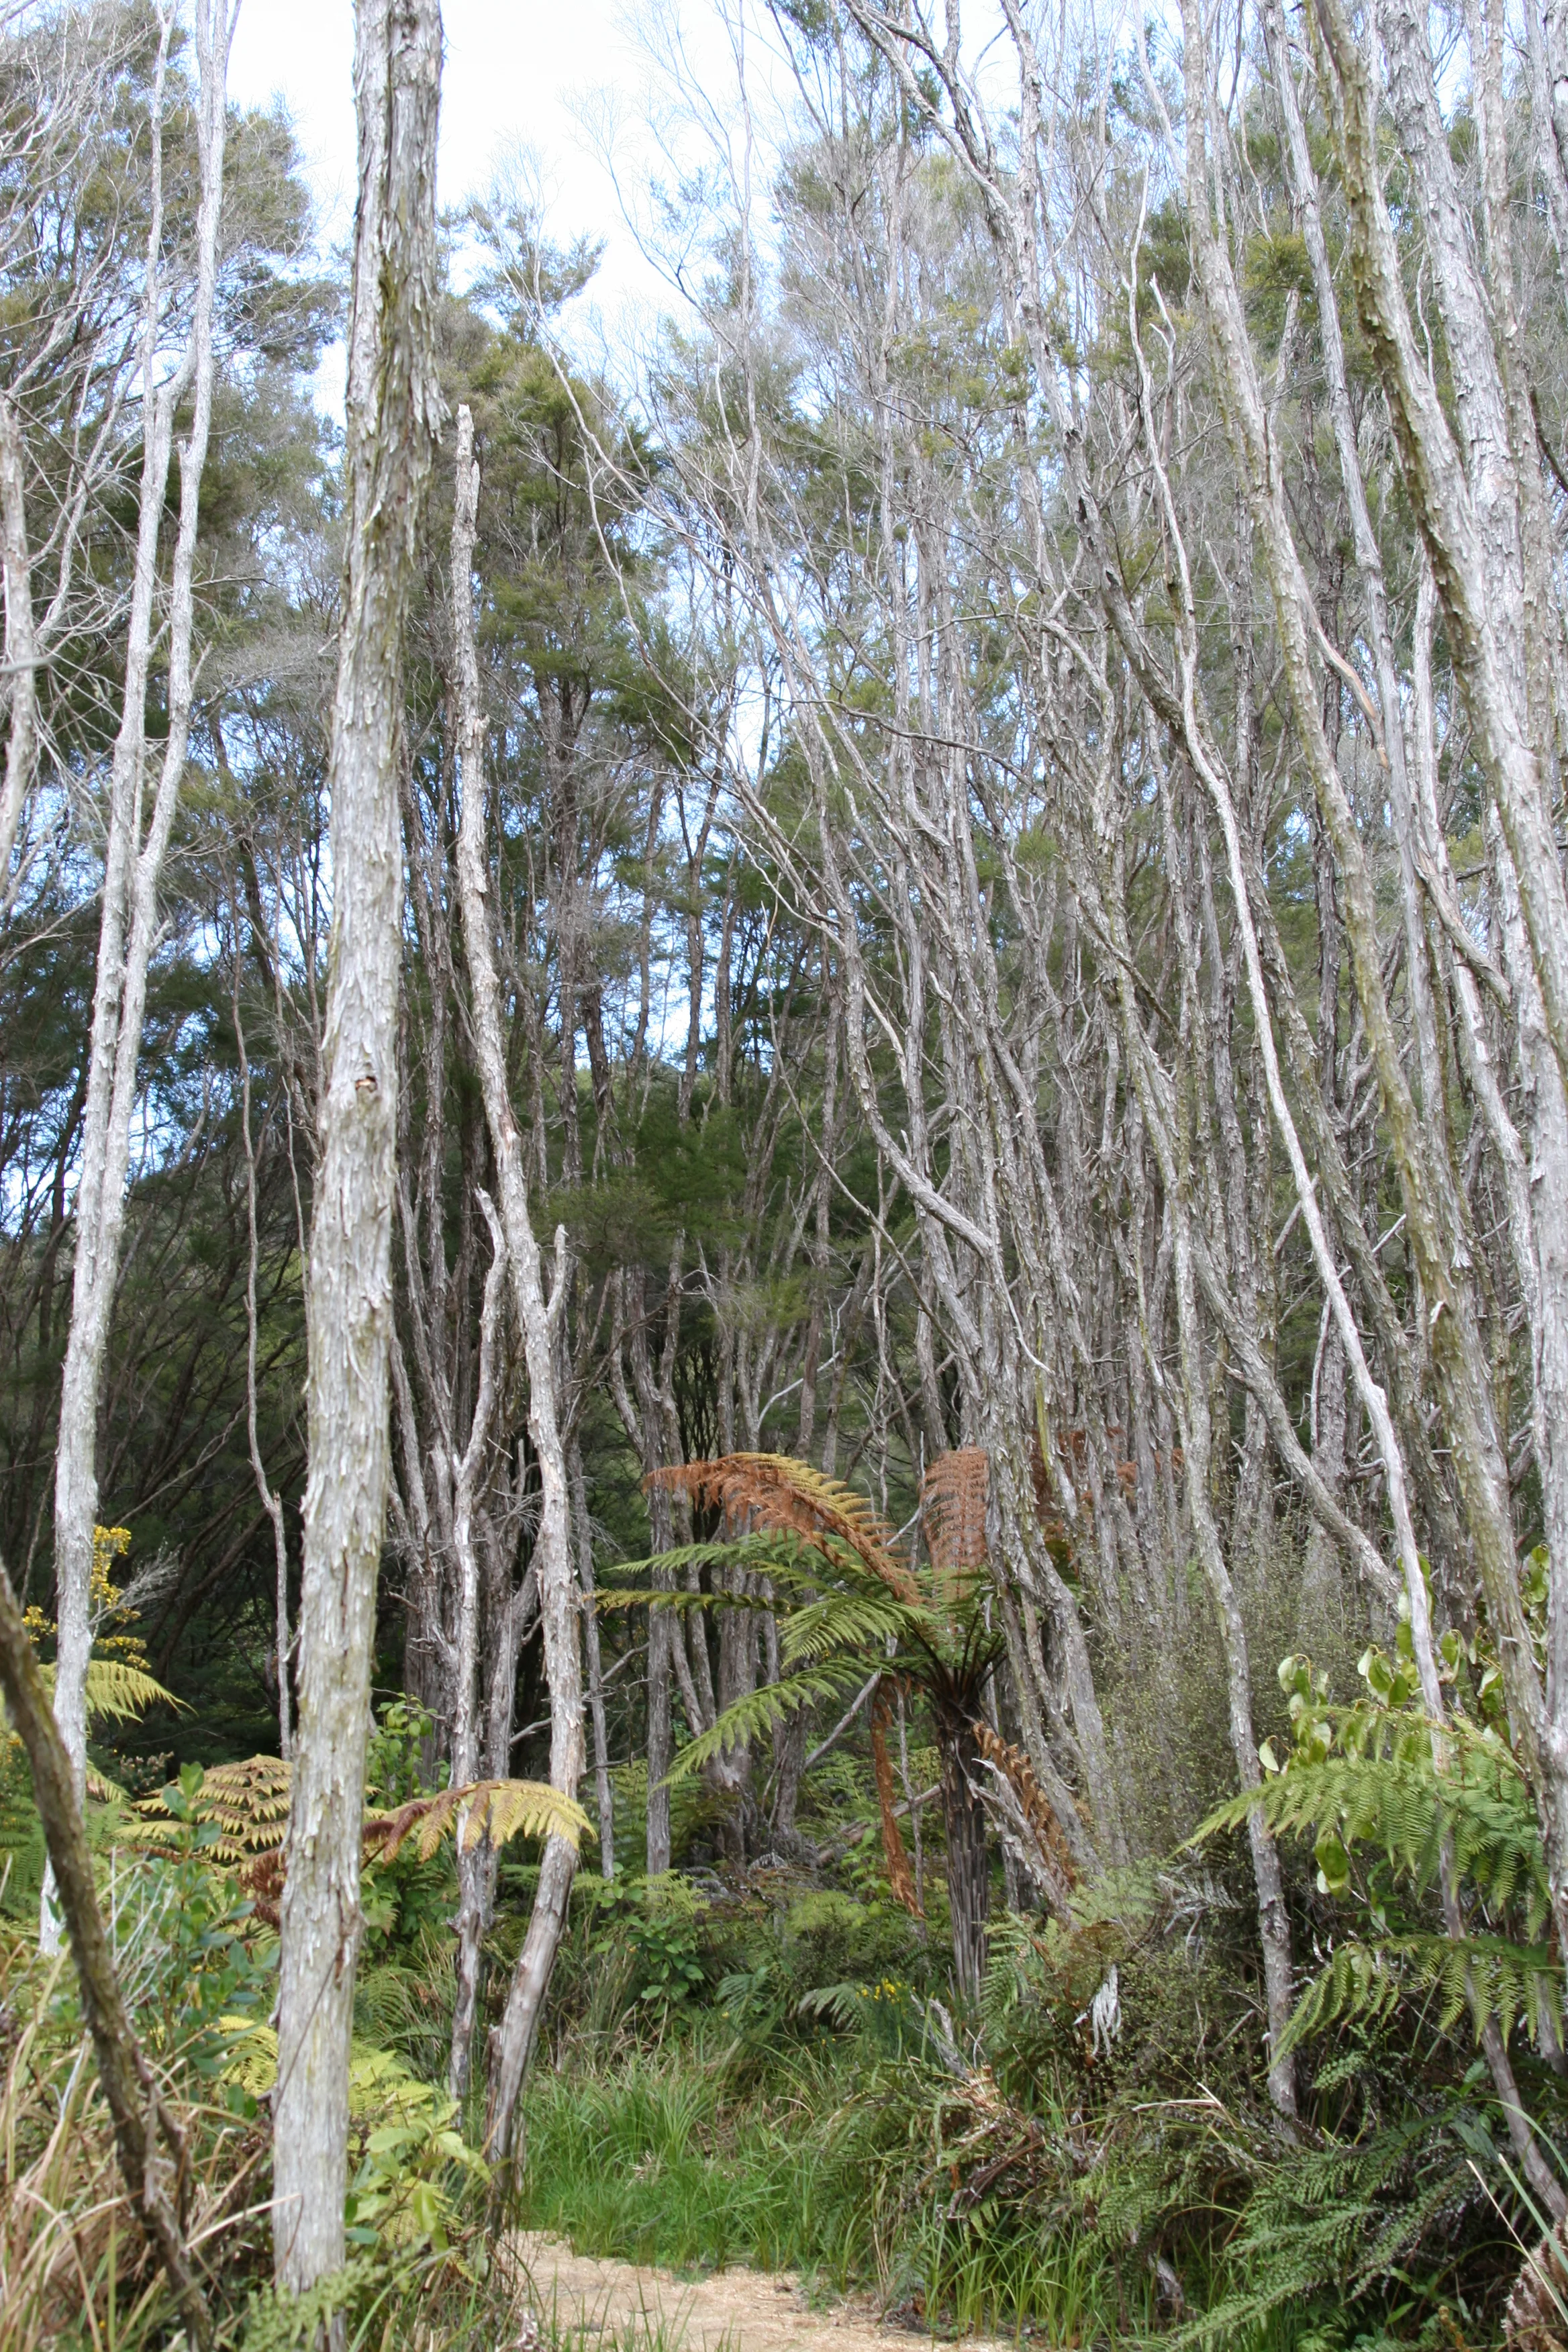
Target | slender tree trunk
(271,1501)
(21,638)
(603,1792)
(557,1579)
(392,416)
(476,1863)
(133,862)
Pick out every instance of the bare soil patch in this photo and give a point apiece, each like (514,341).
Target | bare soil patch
(622,2306)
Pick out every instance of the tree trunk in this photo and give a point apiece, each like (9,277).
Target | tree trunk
(392,416)
(603,1793)
(559,1600)
(476,1863)
(968,1854)
(133,868)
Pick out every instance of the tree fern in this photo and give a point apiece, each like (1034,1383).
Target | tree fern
(501,1809)
(848,1607)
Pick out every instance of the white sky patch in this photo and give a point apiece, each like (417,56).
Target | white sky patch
(566,80)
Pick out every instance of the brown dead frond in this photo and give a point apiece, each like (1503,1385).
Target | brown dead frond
(901,1878)
(260,1876)
(1030,1815)
(952,1511)
(774,1490)
(1533,2321)
(249,1804)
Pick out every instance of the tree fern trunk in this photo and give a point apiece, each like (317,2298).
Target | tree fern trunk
(968,1856)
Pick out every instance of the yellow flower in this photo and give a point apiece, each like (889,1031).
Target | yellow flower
(108,1544)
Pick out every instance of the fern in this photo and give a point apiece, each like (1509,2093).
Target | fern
(846,1604)
(1386,1791)
(1366,1776)
(501,1809)
(117,1691)
(774,1552)
(759,1709)
(1335,2220)
(248,1804)
(1485,1974)
(840,2004)
(841,1621)
(773,1491)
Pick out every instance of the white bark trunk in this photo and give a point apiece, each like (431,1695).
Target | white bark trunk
(271,1500)
(133,870)
(476,1863)
(21,636)
(556,1577)
(392,413)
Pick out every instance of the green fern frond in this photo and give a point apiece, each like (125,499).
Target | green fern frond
(683,1601)
(761,1709)
(842,1620)
(115,1691)
(839,2002)
(770,1551)
(1390,1795)
(1485,1975)
(119,1692)
(1332,2221)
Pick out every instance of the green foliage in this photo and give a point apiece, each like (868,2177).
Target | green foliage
(1390,1801)
(406,1902)
(407,2161)
(465,2303)
(1331,2228)
(656,1928)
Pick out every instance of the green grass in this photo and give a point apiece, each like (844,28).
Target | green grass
(815,2165)
(656,2160)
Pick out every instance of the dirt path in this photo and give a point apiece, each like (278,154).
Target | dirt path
(623,2307)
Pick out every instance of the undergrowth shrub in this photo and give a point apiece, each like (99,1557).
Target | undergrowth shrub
(198,1972)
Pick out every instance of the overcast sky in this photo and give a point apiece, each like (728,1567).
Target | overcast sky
(513,70)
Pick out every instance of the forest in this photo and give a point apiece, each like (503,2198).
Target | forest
(784,1191)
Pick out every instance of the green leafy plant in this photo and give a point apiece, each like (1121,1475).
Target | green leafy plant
(1384,1796)
(408,2160)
